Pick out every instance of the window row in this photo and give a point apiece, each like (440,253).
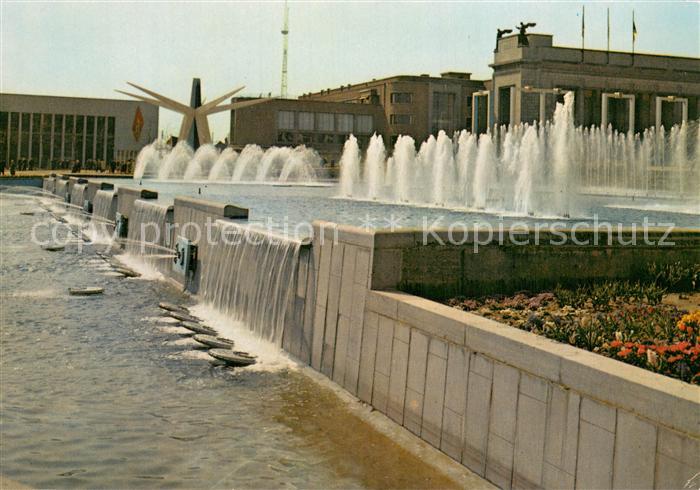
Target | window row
(41,138)
(401,97)
(401,118)
(325,121)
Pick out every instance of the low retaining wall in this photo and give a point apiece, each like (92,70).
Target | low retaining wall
(72,181)
(516,408)
(522,410)
(430,266)
(24,181)
(127,195)
(95,185)
(61,187)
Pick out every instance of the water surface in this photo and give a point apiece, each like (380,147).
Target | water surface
(103,392)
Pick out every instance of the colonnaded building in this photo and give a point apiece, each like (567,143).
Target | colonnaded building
(630,92)
(56,131)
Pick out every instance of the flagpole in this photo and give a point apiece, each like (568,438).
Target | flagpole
(583,31)
(608,51)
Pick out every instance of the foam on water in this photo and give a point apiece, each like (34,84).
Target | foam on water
(148,271)
(270,356)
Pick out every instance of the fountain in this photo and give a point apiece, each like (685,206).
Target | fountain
(253,164)
(350,163)
(550,169)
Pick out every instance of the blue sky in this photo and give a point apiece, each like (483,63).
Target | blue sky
(91,48)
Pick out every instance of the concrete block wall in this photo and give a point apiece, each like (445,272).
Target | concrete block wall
(521,410)
(49,184)
(61,187)
(95,185)
(78,195)
(112,212)
(516,408)
(127,195)
(442,270)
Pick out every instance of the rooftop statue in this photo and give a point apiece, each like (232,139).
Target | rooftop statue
(522,33)
(500,33)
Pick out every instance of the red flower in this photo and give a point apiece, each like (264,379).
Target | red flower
(615,343)
(624,352)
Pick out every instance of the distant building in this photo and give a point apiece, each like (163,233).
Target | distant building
(417,106)
(325,126)
(628,91)
(50,129)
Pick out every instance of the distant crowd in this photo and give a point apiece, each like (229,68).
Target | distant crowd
(73,166)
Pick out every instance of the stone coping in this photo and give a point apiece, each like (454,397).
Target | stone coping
(103,186)
(227,223)
(411,237)
(168,207)
(138,193)
(669,401)
(213,208)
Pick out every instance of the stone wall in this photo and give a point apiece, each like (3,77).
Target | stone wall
(95,185)
(516,408)
(440,270)
(127,195)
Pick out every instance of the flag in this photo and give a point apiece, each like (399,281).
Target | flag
(634,29)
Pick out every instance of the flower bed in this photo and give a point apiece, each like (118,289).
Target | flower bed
(626,321)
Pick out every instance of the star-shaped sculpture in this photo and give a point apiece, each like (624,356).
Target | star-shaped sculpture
(192,115)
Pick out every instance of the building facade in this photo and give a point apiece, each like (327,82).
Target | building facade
(50,131)
(628,91)
(417,106)
(325,126)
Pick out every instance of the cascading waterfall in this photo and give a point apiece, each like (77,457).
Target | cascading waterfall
(276,164)
(149,232)
(251,277)
(103,206)
(545,169)
(76,196)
